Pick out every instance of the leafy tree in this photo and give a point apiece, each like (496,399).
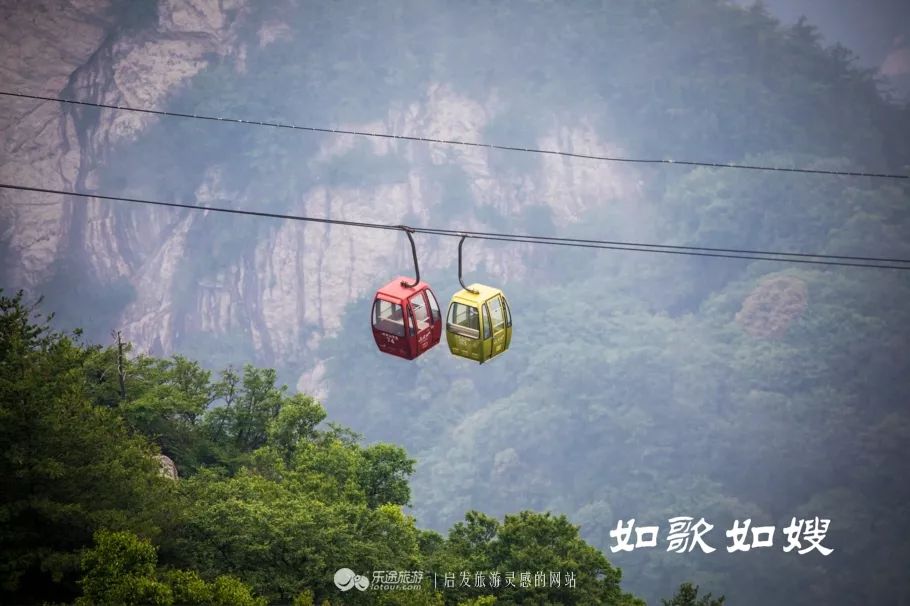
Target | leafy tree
(296,421)
(530,542)
(68,467)
(165,401)
(688,596)
(121,570)
(384,475)
(283,540)
(250,404)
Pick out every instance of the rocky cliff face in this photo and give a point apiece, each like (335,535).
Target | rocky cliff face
(292,288)
(74,49)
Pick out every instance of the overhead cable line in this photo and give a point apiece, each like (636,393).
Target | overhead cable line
(217,209)
(552,152)
(555,240)
(658,248)
(807,258)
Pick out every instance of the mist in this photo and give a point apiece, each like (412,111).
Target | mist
(638,385)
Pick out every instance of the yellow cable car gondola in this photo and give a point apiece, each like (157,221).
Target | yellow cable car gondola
(479,321)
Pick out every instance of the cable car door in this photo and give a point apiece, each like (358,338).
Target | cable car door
(435,317)
(487,345)
(389,328)
(497,316)
(463,331)
(508,311)
(421,323)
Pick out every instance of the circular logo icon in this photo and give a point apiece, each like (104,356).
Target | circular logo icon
(345,579)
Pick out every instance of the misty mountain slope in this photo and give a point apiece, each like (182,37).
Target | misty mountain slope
(638,385)
(283,62)
(275,293)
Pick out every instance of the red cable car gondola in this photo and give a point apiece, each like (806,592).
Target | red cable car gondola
(405,318)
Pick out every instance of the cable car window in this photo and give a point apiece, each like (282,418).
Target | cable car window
(464,320)
(420,311)
(411,323)
(388,317)
(496,313)
(434,306)
(487,333)
(508,312)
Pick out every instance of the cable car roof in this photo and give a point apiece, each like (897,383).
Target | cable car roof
(483,293)
(395,289)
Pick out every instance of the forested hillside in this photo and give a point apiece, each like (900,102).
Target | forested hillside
(265,504)
(638,385)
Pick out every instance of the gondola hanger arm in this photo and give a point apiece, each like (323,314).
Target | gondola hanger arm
(409,231)
(460,281)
